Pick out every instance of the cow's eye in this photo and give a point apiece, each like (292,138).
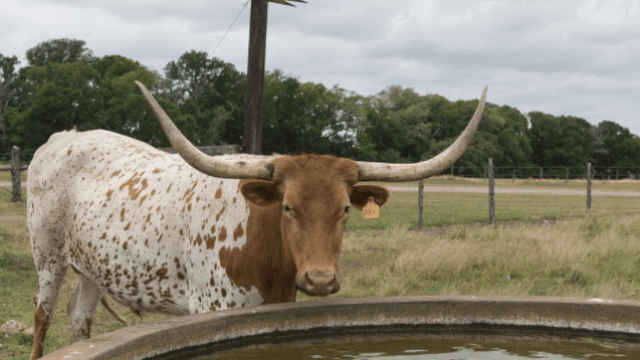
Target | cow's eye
(287,210)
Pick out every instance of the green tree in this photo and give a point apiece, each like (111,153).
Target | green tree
(560,140)
(510,127)
(299,117)
(96,94)
(210,92)
(60,97)
(618,146)
(8,76)
(121,107)
(59,51)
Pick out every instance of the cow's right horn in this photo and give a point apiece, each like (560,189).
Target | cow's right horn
(246,167)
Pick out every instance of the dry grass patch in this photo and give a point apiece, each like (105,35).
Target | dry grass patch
(598,257)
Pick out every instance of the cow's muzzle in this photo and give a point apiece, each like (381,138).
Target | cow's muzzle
(318,283)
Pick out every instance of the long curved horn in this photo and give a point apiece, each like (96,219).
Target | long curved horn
(371,171)
(247,167)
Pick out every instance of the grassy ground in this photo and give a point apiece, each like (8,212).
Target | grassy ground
(442,209)
(610,185)
(597,257)
(566,255)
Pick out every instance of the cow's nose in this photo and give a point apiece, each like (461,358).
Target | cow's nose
(318,283)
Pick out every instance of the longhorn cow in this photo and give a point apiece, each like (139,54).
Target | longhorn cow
(160,233)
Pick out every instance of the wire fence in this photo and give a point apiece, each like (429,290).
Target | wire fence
(506,172)
(25,157)
(509,206)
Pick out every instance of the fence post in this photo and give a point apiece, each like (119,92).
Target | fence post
(420,195)
(492,208)
(514,176)
(16,187)
(567,177)
(616,174)
(540,173)
(588,189)
(452,171)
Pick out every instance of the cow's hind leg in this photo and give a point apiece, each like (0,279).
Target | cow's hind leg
(50,275)
(82,304)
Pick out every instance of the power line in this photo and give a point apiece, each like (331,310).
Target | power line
(234,21)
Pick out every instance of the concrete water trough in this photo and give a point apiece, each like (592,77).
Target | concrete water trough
(334,320)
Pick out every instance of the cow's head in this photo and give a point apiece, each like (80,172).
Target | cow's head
(316,192)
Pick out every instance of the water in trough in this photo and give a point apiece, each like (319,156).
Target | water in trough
(437,345)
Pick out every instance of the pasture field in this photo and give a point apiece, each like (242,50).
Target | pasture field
(445,209)
(597,257)
(530,183)
(543,245)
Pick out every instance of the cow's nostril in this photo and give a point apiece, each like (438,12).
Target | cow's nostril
(306,274)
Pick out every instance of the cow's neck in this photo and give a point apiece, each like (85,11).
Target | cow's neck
(264,261)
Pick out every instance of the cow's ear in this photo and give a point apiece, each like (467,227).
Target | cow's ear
(359,196)
(260,192)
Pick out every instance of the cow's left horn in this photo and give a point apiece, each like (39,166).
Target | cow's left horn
(370,171)
(247,167)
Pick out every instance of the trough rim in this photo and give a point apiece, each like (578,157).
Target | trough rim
(160,337)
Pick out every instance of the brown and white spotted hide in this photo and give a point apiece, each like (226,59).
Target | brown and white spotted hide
(159,236)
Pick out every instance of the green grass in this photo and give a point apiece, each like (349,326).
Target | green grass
(456,254)
(609,185)
(442,209)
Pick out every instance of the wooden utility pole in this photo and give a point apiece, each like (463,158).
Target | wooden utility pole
(255,74)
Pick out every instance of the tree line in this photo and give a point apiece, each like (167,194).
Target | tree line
(63,85)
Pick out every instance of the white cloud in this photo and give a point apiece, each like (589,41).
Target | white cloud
(574,58)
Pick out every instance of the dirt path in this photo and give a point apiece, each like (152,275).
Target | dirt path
(476,190)
(7,185)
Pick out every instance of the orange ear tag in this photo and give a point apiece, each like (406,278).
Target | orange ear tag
(371,210)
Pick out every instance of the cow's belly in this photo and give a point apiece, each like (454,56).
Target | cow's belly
(146,284)
(136,277)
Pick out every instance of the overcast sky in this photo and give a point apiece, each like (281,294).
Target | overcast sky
(577,58)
